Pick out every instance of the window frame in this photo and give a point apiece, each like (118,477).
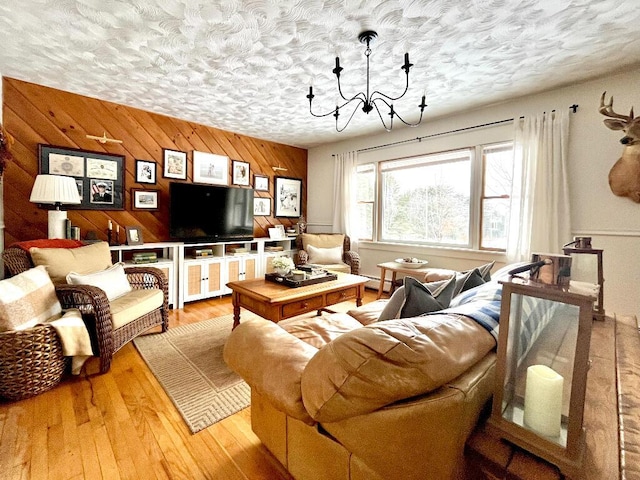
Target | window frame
(477,188)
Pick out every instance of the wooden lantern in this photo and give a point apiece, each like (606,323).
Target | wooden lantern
(541,371)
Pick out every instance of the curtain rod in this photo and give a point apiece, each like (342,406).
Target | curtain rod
(573,108)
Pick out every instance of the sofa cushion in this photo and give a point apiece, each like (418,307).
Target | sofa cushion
(369,312)
(113,280)
(324,255)
(27,299)
(373,366)
(134,304)
(60,261)
(320,330)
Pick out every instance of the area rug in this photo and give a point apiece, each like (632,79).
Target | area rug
(187,361)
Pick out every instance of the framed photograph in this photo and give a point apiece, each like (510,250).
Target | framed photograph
(134,236)
(241,174)
(98,175)
(288,197)
(260,183)
(175,164)
(261,206)
(144,199)
(146,171)
(277,233)
(101,191)
(210,168)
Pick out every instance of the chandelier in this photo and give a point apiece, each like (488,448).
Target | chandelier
(369,100)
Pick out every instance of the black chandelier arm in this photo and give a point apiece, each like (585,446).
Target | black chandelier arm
(394,114)
(342,94)
(392,99)
(338,129)
(359,97)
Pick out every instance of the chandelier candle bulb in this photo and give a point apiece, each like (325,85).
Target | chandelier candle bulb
(543,400)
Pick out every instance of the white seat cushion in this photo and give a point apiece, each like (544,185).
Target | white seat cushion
(134,304)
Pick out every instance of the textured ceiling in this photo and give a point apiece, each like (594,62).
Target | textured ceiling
(245,65)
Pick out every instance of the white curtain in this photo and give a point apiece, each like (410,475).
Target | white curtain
(540,220)
(345,204)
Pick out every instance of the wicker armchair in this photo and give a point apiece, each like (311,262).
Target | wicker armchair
(94,305)
(350,258)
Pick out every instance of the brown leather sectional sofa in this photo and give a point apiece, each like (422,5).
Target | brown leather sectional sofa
(335,399)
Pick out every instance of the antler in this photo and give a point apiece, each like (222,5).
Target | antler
(607,110)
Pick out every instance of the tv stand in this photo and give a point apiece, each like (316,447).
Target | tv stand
(192,276)
(205,276)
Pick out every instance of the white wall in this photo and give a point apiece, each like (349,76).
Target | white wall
(613,222)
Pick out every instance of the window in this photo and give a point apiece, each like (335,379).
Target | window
(458,198)
(426,199)
(497,165)
(366,199)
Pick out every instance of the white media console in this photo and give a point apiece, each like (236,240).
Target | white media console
(201,270)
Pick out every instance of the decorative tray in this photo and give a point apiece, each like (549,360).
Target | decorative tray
(290,282)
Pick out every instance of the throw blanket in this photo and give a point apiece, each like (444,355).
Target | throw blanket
(482,304)
(48,243)
(74,338)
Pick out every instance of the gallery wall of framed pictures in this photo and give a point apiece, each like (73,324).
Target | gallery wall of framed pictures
(98,175)
(100,179)
(144,140)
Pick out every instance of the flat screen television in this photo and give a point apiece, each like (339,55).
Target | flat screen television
(210,213)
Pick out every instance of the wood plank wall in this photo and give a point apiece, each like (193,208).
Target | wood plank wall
(35,114)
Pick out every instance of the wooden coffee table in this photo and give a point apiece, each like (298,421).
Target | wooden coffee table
(276,302)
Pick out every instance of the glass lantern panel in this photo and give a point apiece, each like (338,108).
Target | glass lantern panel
(584,268)
(540,359)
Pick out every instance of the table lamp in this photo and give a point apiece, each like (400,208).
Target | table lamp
(55,190)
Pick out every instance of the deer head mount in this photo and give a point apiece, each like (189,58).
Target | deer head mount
(624,177)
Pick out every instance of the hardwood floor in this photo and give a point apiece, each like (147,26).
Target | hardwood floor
(121,425)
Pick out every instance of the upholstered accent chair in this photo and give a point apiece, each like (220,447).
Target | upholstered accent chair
(330,250)
(112,322)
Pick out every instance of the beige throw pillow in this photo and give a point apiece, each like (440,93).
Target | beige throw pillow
(60,261)
(27,299)
(113,280)
(322,240)
(324,256)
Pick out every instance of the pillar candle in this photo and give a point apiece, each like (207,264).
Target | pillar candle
(110,225)
(543,400)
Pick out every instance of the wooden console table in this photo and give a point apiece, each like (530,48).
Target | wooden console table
(276,302)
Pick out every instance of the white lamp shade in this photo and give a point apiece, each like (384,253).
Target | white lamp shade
(55,189)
